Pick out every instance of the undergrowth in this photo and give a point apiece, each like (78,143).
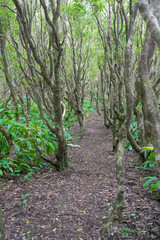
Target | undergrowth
(27,138)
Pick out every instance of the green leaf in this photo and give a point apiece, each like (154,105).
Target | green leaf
(25,201)
(10,159)
(50,148)
(148,148)
(17,170)
(28,175)
(152,156)
(14,136)
(150,179)
(10,169)
(26,195)
(25,164)
(6,163)
(157,185)
(1,173)
(133,214)
(17,148)
(144,165)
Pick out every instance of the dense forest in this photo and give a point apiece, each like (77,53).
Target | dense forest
(60,60)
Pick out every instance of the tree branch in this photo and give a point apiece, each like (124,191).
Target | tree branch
(150,19)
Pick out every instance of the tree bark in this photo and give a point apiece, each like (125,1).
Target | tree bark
(150,18)
(13,152)
(97,101)
(2,234)
(124,128)
(148,98)
(6,71)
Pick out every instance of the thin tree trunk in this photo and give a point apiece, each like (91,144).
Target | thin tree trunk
(81,123)
(2,235)
(6,71)
(148,98)
(122,134)
(61,155)
(97,101)
(13,152)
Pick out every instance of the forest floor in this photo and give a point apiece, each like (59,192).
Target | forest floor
(73,204)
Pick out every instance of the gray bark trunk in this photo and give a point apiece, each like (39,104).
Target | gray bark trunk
(2,235)
(150,108)
(13,152)
(6,71)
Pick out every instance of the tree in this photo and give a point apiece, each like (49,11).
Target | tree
(76,59)
(125,124)
(5,63)
(44,79)
(151,18)
(146,93)
(2,235)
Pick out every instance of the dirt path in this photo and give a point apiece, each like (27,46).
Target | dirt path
(72,205)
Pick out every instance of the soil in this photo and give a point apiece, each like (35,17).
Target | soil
(74,204)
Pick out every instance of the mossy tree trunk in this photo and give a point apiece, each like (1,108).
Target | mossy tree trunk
(5,68)
(150,12)
(12,150)
(2,234)
(118,206)
(97,100)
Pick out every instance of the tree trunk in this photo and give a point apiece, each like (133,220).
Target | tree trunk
(140,128)
(118,206)
(13,152)
(2,235)
(122,134)
(103,89)
(151,16)
(81,123)
(6,72)
(150,108)
(61,155)
(97,102)
(115,137)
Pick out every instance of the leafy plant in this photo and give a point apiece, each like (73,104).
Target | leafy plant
(150,158)
(153,186)
(24,197)
(27,139)
(151,163)
(4,145)
(125,231)
(6,165)
(88,107)
(133,215)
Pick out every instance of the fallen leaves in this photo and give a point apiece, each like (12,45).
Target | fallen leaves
(79,230)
